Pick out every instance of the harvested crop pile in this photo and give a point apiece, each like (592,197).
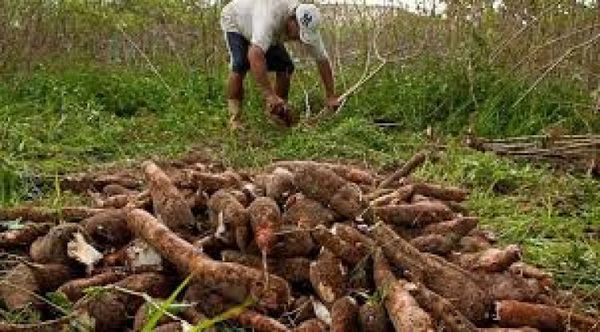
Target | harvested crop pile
(300,246)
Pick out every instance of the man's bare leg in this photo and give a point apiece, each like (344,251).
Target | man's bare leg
(282,84)
(235,95)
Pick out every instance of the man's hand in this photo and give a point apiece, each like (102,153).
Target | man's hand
(332,103)
(280,111)
(275,102)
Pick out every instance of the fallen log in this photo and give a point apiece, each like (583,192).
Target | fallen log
(188,260)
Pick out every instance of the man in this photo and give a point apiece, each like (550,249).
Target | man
(255,31)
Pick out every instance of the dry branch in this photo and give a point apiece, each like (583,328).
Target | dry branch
(414,162)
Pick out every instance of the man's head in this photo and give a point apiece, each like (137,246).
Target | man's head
(304,25)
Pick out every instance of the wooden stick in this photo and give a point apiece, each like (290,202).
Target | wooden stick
(414,162)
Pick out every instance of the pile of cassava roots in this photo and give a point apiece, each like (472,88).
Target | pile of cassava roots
(296,246)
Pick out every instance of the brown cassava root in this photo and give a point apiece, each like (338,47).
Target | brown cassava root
(189,261)
(341,251)
(546,318)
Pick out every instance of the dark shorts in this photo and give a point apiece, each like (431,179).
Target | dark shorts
(278,58)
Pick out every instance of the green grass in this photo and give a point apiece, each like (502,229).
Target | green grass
(52,122)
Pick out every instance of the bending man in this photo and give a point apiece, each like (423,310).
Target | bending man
(255,32)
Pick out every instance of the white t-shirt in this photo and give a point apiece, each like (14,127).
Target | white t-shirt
(263,23)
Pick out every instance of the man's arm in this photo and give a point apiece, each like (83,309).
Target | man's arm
(327,77)
(331,99)
(258,66)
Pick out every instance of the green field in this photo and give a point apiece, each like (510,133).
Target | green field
(88,85)
(54,122)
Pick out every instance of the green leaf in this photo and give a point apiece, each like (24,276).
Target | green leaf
(228,314)
(158,313)
(61,300)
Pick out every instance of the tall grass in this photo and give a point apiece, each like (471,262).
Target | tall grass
(504,67)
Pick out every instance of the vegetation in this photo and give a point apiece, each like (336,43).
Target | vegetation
(89,84)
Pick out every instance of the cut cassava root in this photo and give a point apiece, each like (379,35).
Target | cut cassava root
(345,249)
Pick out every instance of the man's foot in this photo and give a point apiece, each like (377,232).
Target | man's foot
(235,124)
(235,110)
